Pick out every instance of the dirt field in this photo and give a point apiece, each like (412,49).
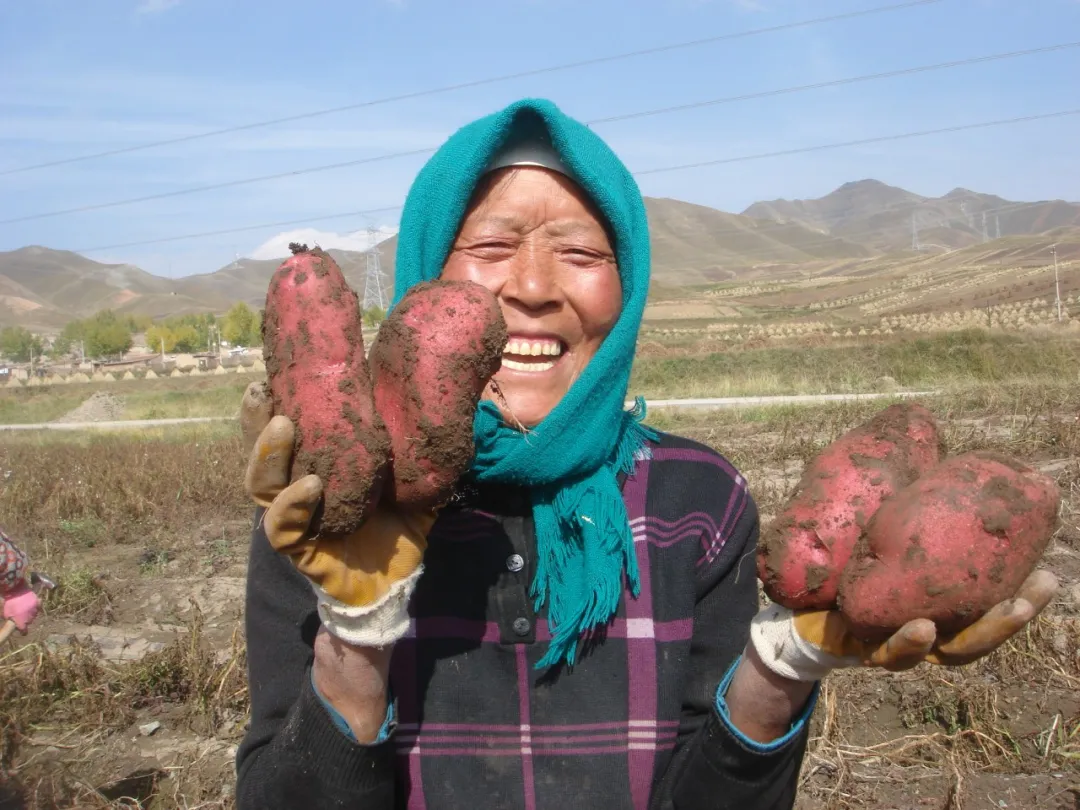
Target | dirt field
(130,692)
(133,683)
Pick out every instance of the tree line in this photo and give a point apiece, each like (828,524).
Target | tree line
(108,334)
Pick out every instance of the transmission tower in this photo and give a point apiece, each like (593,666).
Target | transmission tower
(997,227)
(373,279)
(984,236)
(914,234)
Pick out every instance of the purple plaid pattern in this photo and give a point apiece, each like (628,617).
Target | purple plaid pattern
(633,725)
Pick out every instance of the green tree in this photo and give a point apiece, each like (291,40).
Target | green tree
(186,339)
(159,334)
(74,331)
(61,347)
(104,338)
(138,323)
(241,325)
(373,316)
(201,324)
(19,344)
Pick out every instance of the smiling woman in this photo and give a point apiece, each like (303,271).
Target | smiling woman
(579,626)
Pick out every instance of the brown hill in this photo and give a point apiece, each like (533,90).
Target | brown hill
(43,289)
(692,245)
(246,279)
(882,217)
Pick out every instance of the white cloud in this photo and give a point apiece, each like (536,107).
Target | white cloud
(156,6)
(277,247)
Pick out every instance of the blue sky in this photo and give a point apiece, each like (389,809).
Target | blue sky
(81,77)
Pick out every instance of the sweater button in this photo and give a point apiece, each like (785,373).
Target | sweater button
(521,626)
(515,562)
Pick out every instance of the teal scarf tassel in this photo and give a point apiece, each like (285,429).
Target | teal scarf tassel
(583,537)
(570,461)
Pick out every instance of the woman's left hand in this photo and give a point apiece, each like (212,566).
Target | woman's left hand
(805,645)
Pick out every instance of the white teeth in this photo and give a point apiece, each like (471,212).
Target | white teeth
(517,366)
(525,348)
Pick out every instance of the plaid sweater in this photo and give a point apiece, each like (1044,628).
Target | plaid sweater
(639,722)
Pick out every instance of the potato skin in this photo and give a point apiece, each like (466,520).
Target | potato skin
(804,550)
(432,358)
(318,377)
(949,546)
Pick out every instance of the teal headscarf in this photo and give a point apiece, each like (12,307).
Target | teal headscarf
(569,462)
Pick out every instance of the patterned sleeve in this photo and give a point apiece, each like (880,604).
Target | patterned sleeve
(715,765)
(12,565)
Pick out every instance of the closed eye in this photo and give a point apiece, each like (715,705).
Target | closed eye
(579,255)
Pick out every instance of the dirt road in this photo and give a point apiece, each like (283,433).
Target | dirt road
(655,404)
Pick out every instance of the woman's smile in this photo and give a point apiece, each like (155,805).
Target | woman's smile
(531,355)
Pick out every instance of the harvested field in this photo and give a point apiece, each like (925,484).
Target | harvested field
(132,685)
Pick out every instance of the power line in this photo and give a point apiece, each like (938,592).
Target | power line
(241,229)
(640,114)
(217,186)
(839,82)
(860,142)
(478,83)
(717,162)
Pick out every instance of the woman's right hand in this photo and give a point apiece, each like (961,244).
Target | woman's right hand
(363,580)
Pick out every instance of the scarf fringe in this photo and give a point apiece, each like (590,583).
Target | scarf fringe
(585,545)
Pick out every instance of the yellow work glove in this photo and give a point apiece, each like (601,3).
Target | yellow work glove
(805,645)
(363,580)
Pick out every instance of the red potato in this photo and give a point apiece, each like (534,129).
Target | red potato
(805,549)
(431,361)
(318,377)
(949,546)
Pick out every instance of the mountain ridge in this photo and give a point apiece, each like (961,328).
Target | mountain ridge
(692,244)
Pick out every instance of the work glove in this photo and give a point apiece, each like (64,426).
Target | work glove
(363,580)
(805,645)
(21,606)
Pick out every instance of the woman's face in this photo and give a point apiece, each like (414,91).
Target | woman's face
(534,239)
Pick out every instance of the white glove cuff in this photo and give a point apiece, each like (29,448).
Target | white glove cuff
(785,652)
(379,624)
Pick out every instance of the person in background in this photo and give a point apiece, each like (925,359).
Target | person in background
(20,601)
(580,627)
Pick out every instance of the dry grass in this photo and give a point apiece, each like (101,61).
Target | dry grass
(62,492)
(814,366)
(70,701)
(1001,715)
(143,399)
(77,499)
(683,366)
(878,736)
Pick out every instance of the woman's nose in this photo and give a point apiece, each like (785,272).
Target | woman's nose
(533,278)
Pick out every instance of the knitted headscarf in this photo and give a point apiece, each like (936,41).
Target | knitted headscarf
(570,462)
